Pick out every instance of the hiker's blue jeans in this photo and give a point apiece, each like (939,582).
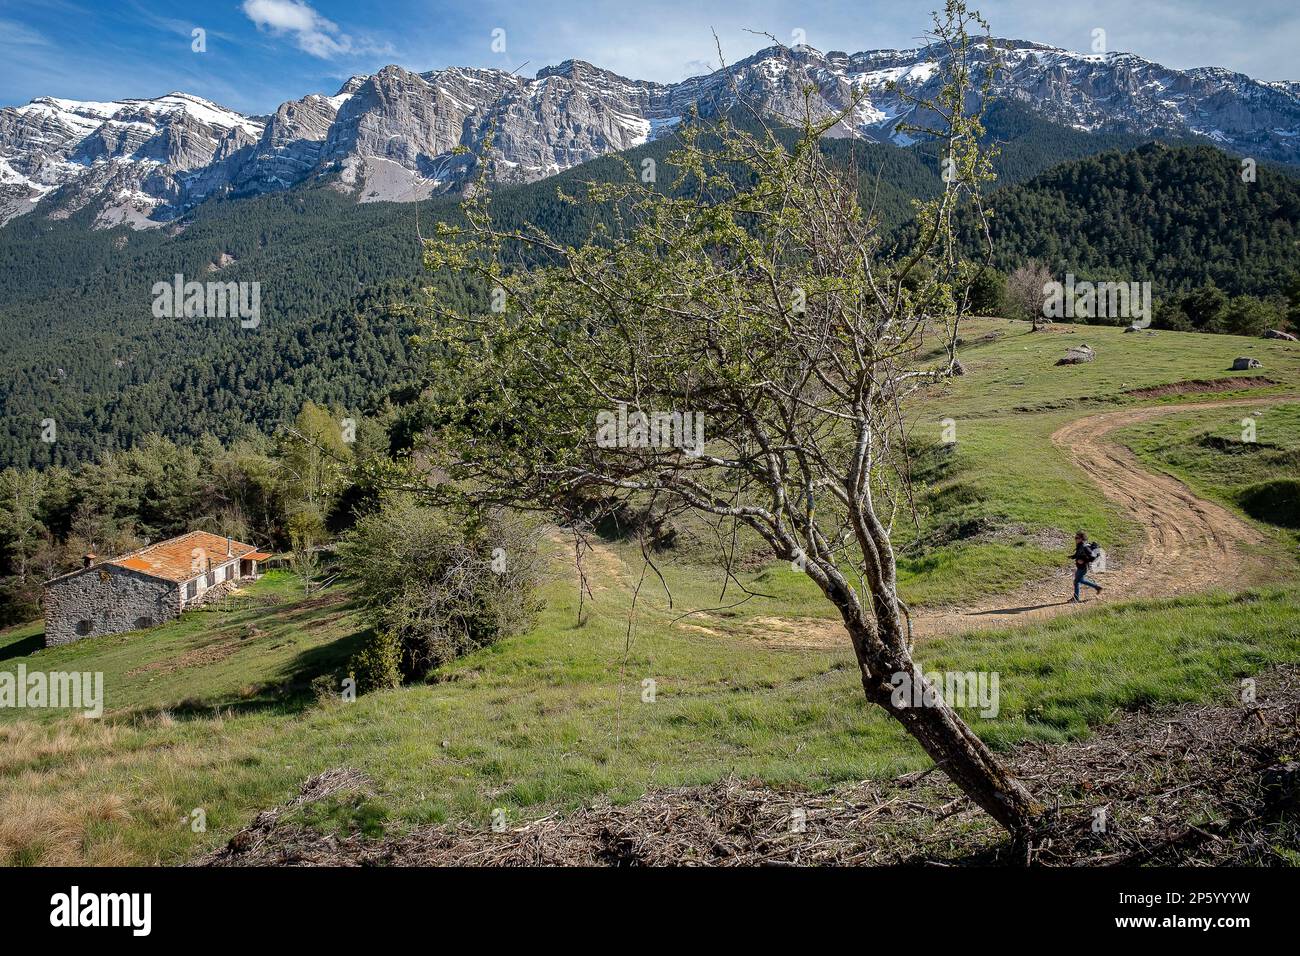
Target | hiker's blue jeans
(1081,577)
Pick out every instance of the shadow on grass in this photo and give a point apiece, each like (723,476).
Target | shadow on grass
(28,645)
(292,693)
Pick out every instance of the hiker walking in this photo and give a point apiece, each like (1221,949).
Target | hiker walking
(1085,553)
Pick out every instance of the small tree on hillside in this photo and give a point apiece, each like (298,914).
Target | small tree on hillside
(988,293)
(1024,293)
(748,294)
(306,531)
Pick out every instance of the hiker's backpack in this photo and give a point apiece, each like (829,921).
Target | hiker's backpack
(1093,550)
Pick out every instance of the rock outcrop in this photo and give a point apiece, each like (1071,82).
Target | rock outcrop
(1077,355)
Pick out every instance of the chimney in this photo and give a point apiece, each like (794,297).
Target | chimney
(87,560)
(230,547)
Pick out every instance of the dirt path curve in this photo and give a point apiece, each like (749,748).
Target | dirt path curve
(1189,545)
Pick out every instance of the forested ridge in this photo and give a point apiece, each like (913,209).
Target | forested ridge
(1178,216)
(340,281)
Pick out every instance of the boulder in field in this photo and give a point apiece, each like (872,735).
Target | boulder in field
(1077,355)
(1241,363)
(1279,334)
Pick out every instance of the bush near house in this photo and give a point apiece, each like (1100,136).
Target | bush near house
(436,586)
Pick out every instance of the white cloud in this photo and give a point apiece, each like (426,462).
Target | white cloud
(15,34)
(312,32)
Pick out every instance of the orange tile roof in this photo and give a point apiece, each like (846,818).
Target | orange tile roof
(184,557)
(259,555)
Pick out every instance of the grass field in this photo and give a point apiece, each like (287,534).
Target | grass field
(558,717)
(1223,453)
(1016,373)
(216,711)
(1004,410)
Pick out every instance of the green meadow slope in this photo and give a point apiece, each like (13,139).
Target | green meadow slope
(228,710)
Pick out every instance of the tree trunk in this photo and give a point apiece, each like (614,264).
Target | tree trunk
(946,738)
(970,764)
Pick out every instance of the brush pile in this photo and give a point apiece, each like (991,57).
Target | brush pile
(1195,785)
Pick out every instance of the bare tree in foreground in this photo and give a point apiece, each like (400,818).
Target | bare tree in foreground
(751,295)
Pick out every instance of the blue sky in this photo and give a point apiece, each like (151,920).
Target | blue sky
(262,52)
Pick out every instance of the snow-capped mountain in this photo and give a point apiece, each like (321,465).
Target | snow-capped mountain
(134,157)
(395,135)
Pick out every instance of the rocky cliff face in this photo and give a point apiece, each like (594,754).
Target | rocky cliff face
(137,160)
(395,135)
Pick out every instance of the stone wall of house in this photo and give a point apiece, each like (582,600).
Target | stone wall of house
(106,599)
(215,577)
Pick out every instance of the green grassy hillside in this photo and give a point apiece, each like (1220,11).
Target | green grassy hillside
(229,710)
(1006,488)
(557,718)
(1228,457)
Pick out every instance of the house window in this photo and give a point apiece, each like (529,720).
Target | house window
(191,590)
(85,626)
(142,622)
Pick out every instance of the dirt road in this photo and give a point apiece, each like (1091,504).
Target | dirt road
(1189,544)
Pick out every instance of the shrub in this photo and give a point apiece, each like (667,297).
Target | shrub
(1247,315)
(617,518)
(379,664)
(1276,501)
(438,585)
(988,293)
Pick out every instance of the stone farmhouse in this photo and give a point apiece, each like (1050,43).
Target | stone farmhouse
(145,587)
